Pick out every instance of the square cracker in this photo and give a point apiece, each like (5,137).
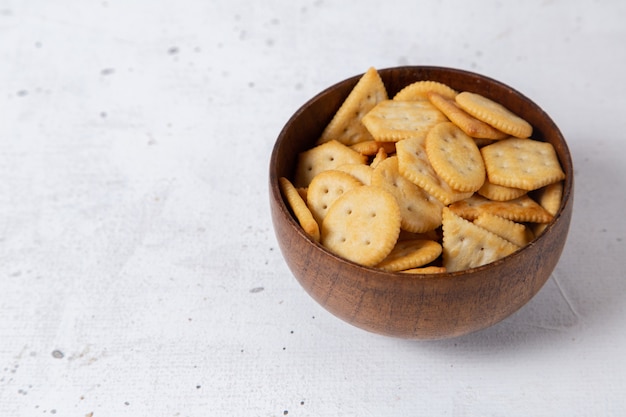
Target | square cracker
(345,126)
(522,163)
(466,245)
(391,120)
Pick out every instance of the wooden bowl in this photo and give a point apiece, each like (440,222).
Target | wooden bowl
(402,305)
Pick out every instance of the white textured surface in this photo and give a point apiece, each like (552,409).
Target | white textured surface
(139,272)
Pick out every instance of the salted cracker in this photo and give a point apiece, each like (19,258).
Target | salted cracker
(345,126)
(497,192)
(325,188)
(494,114)
(414,165)
(361,172)
(410,254)
(466,245)
(521,209)
(299,209)
(455,157)
(362,226)
(522,163)
(323,157)
(419,90)
(466,122)
(391,120)
(420,212)
(514,232)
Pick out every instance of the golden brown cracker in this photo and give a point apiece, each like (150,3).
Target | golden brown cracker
(466,245)
(514,232)
(466,122)
(497,192)
(521,209)
(494,114)
(420,212)
(391,121)
(323,157)
(414,165)
(522,163)
(299,209)
(426,270)
(419,90)
(325,188)
(455,157)
(362,225)
(371,147)
(361,172)
(410,254)
(346,126)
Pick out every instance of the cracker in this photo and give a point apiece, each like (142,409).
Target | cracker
(413,164)
(419,91)
(426,270)
(362,225)
(371,147)
(299,209)
(410,254)
(522,163)
(466,122)
(391,121)
(497,192)
(455,157)
(466,245)
(420,212)
(494,114)
(361,172)
(346,126)
(325,188)
(550,196)
(380,156)
(515,233)
(521,209)
(323,157)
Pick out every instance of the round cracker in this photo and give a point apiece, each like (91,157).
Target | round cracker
(494,114)
(420,211)
(362,226)
(325,188)
(455,157)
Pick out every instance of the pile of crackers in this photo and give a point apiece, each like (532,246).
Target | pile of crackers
(431,180)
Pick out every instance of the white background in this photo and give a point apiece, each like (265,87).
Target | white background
(139,272)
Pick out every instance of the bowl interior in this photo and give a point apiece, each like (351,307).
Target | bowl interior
(429,306)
